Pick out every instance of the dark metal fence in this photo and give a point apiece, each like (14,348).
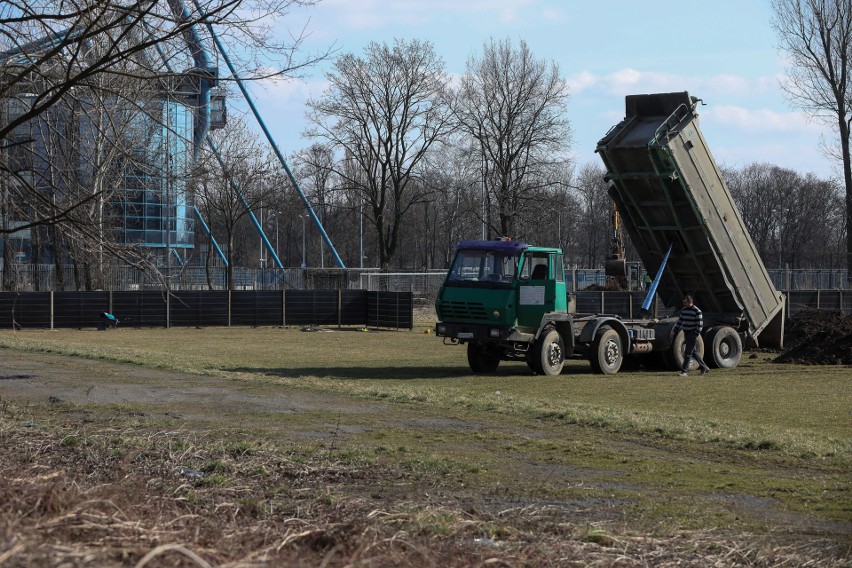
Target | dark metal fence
(297,307)
(628,304)
(208,308)
(798,300)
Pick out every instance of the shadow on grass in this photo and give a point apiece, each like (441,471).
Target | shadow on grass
(375,373)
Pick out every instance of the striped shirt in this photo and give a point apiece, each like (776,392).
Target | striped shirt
(690,320)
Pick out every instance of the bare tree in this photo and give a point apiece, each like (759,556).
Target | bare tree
(227,192)
(452,211)
(794,220)
(315,167)
(90,142)
(514,106)
(594,224)
(384,112)
(816,35)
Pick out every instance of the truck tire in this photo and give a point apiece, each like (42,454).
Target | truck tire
(548,356)
(674,355)
(607,353)
(725,346)
(481,359)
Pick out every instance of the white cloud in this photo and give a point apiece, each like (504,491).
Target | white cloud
(581,82)
(629,81)
(761,119)
(285,91)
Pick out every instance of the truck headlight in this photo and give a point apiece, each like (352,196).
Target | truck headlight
(494,332)
(496,314)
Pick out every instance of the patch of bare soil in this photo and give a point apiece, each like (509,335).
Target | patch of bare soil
(818,337)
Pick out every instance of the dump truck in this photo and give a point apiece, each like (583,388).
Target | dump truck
(508,300)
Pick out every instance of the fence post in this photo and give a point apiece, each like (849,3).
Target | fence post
(168,307)
(339,307)
(51,309)
(283,306)
(817,298)
(229,308)
(110,301)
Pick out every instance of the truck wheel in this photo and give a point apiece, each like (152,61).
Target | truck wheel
(675,354)
(481,359)
(549,354)
(726,347)
(607,354)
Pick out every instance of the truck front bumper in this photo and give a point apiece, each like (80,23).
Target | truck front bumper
(463,332)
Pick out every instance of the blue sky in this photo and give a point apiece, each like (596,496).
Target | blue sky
(721,51)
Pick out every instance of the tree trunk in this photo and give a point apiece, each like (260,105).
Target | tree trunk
(36,248)
(230,269)
(87,275)
(8,279)
(6,241)
(57,257)
(207,262)
(847,180)
(78,276)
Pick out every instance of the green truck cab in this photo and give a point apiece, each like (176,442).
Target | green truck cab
(508,301)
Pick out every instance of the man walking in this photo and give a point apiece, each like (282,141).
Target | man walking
(691,321)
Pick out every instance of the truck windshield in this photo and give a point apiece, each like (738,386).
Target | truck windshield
(483,268)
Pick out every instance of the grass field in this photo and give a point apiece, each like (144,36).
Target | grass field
(745,466)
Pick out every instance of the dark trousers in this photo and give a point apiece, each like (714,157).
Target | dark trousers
(689,351)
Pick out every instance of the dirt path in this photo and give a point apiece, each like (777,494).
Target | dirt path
(46,377)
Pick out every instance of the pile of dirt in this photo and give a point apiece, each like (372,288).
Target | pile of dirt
(818,337)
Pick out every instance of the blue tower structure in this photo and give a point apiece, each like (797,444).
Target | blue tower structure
(154,207)
(150,204)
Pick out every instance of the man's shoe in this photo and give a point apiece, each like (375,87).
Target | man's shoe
(682,374)
(704,371)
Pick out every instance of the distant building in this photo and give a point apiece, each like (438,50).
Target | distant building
(138,152)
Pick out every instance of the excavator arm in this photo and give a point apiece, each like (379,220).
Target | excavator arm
(615,267)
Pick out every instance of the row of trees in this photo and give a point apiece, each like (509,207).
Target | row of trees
(796,220)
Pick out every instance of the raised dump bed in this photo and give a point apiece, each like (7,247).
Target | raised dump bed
(669,191)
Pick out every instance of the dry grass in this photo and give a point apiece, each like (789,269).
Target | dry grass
(125,497)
